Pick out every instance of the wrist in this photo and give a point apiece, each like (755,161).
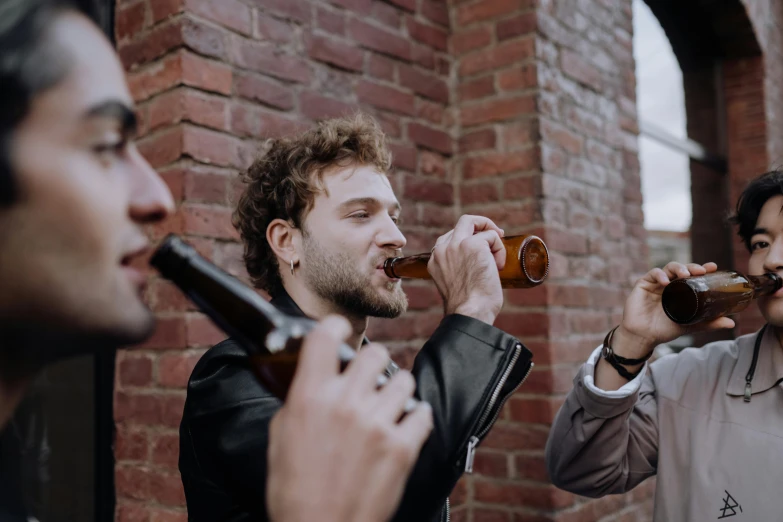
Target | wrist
(477,311)
(630,345)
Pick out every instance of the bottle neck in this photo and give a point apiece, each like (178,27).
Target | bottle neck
(766,284)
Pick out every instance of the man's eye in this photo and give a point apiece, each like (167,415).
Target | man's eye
(360,215)
(758,244)
(113,147)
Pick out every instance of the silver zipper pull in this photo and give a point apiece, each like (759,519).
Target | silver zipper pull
(472,443)
(747,392)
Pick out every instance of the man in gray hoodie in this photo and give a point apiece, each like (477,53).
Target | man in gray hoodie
(708,421)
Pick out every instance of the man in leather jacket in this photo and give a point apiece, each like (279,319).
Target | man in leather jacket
(318,217)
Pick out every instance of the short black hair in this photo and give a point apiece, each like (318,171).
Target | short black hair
(753,198)
(29,64)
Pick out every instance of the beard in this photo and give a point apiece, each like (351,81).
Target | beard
(334,277)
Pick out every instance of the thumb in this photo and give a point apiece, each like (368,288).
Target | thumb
(717,324)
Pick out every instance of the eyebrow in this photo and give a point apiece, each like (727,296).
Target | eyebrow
(369,202)
(116,110)
(759,231)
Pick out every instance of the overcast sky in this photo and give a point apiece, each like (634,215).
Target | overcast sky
(660,100)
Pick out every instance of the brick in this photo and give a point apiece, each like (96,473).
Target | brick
(579,69)
(404,156)
(408,5)
(229,13)
(422,189)
(169,333)
(334,52)
(520,188)
(487,9)
(423,55)
(132,483)
(165,450)
(172,407)
(265,91)
(478,140)
(157,42)
(166,487)
(585,122)
(163,147)
(318,107)
(519,77)
(442,218)
(435,37)
(502,55)
(273,30)
(478,193)
(269,61)
(201,331)
(174,369)
(430,111)
(561,137)
(330,21)
(297,10)
(204,39)
(162,9)
(505,436)
(565,242)
(421,297)
(205,186)
(480,88)
(532,467)
(130,444)
(246,120)
(385,97)
(491,464)
(497,110)
(134,371)
(188,105)
(471,40)
(211,147)
(517,26)
(378,66)
(165,297)
(534,410)
(436,11)
(207,221)
(381,40)
(430,138)
(553,161)
(155,78)
(137,408)
(164,515)
(497,163)
(205,74)
(546,497)
(387,15)
(363,7)
(129,20)
(132,513)
(432,164)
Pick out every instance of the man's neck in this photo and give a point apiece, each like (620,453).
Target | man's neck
(318,308)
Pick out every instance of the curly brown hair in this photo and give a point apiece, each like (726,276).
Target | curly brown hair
(283,183)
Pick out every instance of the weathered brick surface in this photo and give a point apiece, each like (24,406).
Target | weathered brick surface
(520,110)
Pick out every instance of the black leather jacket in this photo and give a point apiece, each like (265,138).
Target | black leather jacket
(466,371)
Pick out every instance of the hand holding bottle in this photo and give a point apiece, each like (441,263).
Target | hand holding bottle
(645,324)
(464,265)
(337,452)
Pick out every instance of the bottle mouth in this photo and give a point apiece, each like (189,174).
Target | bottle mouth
(535,258)
(680,301)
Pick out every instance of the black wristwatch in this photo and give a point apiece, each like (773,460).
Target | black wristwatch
(618,361)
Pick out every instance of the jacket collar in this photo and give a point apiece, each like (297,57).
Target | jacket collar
(286,304)
(769,367)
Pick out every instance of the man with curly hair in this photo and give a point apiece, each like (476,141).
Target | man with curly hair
(318,217)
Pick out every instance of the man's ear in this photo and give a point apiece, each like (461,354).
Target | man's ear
(281,236)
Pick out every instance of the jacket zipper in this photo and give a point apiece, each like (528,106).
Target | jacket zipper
(446,512)
(484,427)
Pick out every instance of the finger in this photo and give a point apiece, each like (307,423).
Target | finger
(492,239)
(394,396)
(674,270)
(710,267)
(361,376)
(657,276)
(469,225)
(696,269)
(318,359)
(443,240)
(416,426)
(718,324)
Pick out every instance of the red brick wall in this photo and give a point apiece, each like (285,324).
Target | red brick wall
(523,111)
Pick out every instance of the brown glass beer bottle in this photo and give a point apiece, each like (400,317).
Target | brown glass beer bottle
(705,298)
(271,338)
(527,263)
